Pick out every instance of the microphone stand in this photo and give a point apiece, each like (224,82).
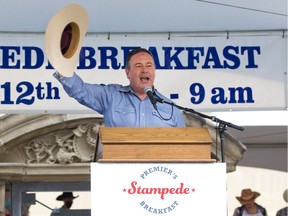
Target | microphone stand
(221,125)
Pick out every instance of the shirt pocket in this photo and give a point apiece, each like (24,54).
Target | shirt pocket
(125,116)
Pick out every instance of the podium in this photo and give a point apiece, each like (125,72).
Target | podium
(156,144)
(149,171)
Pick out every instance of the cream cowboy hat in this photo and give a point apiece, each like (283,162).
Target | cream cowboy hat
(247,195)
(64,37)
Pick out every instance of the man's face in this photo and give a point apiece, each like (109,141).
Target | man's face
(141,72)
(249,205)
(68,202)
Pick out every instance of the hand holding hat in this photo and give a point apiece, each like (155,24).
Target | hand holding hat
(64,37)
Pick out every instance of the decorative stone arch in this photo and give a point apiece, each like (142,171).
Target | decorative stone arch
(52,140)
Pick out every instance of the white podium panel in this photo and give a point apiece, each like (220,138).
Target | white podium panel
(146,189)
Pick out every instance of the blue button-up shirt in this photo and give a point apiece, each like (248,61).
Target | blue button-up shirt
(120,106)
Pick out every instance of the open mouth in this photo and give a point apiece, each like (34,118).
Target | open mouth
(144,79)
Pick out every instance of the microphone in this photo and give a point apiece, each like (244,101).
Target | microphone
(148,91)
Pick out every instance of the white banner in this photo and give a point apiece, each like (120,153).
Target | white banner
(205,73)
(158,189)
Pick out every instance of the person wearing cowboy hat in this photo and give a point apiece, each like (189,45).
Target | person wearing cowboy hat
(67,198)
(249,206)
(284,211)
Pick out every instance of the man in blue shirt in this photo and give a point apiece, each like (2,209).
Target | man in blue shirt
(126,106)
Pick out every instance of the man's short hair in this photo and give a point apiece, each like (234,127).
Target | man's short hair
(135,51)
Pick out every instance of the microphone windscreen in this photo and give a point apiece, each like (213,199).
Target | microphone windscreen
(147,88)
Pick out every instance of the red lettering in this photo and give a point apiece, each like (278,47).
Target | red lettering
(133,188)
(161,191)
